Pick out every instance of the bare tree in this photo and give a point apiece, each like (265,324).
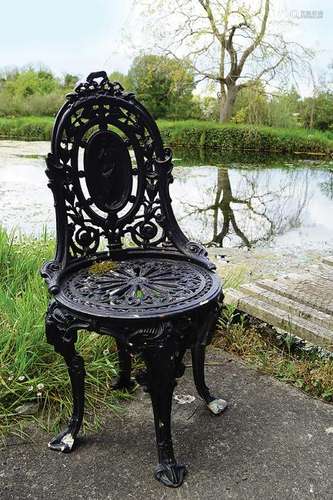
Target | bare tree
(230,43)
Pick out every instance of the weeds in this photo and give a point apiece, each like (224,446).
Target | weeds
(33,379)
(258,346)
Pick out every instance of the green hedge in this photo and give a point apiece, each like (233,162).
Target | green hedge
(244,137)
(28,128)
(198,134)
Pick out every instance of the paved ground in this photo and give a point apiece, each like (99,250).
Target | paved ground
(272,443)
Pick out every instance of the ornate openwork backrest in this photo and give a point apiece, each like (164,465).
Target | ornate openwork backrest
(110,176)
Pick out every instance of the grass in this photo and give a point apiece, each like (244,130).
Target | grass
(259,347)
(30,372)
(198,134)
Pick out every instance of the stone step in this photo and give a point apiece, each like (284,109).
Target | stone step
(291,306)
(328,261)
(280,318)
(316,293)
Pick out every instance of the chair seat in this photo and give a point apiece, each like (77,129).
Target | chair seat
(135,288)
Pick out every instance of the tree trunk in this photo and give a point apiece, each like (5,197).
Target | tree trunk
(227,104)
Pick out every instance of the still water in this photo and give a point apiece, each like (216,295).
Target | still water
(220,200)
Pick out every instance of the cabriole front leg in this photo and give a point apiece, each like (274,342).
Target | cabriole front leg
(161,372)
(64,344)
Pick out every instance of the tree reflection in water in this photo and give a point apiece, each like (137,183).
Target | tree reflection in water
(327,185)
(255,207)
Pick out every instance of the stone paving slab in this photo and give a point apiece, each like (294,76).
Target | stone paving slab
(328,261)
(273,442)
(300,303)
(278,317)
(287,304)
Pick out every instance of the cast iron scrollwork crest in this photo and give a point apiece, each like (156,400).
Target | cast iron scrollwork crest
(110,175)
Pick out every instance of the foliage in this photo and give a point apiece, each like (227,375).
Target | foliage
(229,43)
(70,81)
(39,105)
(195,134)
(284,109)
(255,107)
(30,371)
(317,111)
(163,84)
(117,76)
(33,92)
(209,108)
(29,82)
(27,128)
(259,347)
(252,105)
(233,137)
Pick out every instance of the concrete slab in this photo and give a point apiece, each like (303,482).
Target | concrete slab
(278,317)
(299,303)
(328,261)
(274,442)
(289,305)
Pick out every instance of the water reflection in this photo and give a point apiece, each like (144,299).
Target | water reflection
(251,204)
(327,186)
(253,209)
(241,201)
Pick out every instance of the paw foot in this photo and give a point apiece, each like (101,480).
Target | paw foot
(124,385)
(63,442)
(217,406)
(171,475)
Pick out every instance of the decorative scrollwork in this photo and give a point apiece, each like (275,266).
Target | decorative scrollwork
(110,181)
(138,287)
(110,177)
(66,322)
(196,249)
(85,240)
(150,337)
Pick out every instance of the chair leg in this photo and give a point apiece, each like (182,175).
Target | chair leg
(161,372)
(65,441)
(215,405)
(124,381)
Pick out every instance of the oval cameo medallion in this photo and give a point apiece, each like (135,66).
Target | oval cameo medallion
(108,171)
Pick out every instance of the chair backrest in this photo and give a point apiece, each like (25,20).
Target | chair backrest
(110,176)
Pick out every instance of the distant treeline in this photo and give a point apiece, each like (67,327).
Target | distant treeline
(166,86)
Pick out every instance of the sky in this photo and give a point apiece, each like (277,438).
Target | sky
(66,35)
(82,36)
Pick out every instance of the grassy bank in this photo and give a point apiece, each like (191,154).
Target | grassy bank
(33,379)
(258,345)
(198,134)
(28,128)
(245,137)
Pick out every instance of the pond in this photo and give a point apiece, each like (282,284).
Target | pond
(221,200)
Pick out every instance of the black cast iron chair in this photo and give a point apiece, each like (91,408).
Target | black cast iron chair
(123,267)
